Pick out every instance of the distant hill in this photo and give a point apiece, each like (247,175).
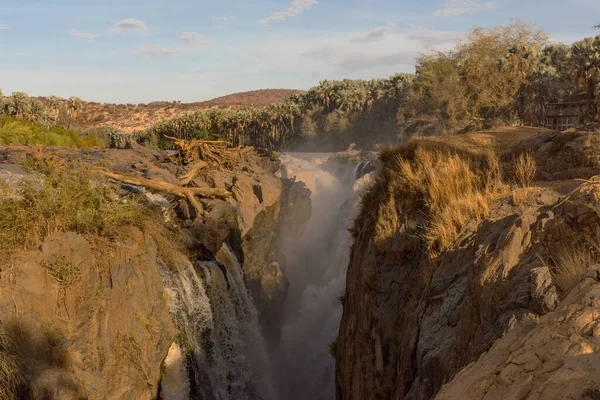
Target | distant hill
(131,117)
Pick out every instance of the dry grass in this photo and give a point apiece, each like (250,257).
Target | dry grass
(67,197)
(525,169)
(571,262)
(64,199)
(437,188)
(11,378)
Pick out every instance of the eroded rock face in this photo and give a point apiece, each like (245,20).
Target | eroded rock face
(86,325)
(114,324)
(411,322)
(564,155)
(554,358)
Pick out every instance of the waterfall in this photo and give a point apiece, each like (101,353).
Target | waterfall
(220,354)
(315,266)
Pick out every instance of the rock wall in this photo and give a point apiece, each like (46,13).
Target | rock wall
(102,337)
(411,321)
(553,358)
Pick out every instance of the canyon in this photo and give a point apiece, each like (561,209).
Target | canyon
(308,275)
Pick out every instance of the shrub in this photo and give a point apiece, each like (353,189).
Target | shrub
(525,169)
(66,198)
(333,348)
(63,271)
(11,377)
(20,132)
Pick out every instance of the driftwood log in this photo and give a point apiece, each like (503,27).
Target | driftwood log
(188,193)
(194,170)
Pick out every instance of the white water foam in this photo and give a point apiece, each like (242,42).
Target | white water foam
(225,357)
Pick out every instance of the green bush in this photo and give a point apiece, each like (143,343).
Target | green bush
(21,132)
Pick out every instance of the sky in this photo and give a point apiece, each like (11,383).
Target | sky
(138,51)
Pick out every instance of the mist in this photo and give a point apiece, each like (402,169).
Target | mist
(315,265)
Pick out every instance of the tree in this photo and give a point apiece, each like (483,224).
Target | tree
(53,105)
(585,66)
(19,105)
(75,105)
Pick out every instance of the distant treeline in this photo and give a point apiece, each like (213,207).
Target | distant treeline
(495,76)
(505,75)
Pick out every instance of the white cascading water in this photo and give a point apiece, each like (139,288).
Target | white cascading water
(315,266)
(221,353)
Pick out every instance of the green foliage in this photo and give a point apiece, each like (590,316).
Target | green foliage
(584,64)
(477,84)
(496,76)
(21,132)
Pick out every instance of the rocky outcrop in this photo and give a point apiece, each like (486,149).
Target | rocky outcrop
(106,333)
(86,325)
(412,321)
(564,155)
(553,358)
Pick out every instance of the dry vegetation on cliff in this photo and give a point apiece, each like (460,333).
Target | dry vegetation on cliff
(438,185)
(67,197)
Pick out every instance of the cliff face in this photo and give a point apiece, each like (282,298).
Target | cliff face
(88,315)
(104,336)
(414,317)
(553,358)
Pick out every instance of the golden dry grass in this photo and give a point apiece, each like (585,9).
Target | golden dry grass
(11,378)
(434,186)
(571,262)
(525,169)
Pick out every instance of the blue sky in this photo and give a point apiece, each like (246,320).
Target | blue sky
(133,51)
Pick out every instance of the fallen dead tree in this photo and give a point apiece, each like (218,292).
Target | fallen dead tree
(192,172)
(214,152)
(188,193)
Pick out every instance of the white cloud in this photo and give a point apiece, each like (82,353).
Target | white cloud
(377,33)
(158,52)
(222,19)
(455,8)
(194,39)
(337,55)
(297,7)
(76,33)
(128,25)
(3,27)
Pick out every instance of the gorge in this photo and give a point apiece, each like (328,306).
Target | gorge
(409,274)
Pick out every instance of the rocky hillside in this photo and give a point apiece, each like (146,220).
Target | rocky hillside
(90,259)
(467,271)
(132,117)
